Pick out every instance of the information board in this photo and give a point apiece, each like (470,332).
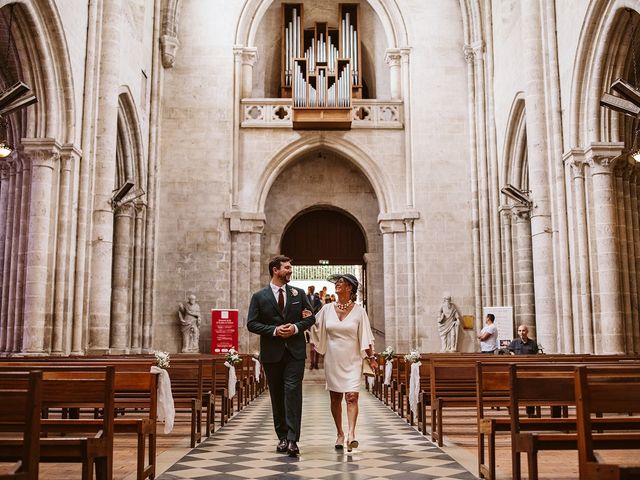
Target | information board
(224,330)
(504,321)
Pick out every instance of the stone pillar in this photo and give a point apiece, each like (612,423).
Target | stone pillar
(138,261)
(249,58)
(7,258)
(632,320)
(121,281)
(635,220)
(60,320)
(539,177)
(4,212)
(245,230)
(507,239)
(18,253)
(103,181)
(399,280)
(392,58)
(525,289)
(42,155)
(621,177)
(602,157)
(576,160)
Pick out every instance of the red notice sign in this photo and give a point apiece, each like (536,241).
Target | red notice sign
(224,330)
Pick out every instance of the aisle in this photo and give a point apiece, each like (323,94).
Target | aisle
(389,448)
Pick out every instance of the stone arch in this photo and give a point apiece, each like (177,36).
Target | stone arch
(388,12)
(602,50)
(514,154)
(130,141)
(41,39)
(279,162)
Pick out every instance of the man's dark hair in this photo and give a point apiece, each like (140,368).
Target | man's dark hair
(491,317)
(276,261)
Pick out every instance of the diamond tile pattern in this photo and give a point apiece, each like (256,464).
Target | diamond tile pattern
(389,448)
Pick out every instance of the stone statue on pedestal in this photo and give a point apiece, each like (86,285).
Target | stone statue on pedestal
(189,315)
(448,325)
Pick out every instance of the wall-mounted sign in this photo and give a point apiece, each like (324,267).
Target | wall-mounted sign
(224,330)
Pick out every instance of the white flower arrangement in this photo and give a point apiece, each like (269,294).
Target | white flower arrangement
(413,356)
(294,292)
(256,355)
(162,359)
(388,353)
(233,357)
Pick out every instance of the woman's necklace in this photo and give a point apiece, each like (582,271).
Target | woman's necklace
(344,306)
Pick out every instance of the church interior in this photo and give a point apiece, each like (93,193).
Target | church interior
(472,165)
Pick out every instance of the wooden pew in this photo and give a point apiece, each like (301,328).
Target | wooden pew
(187,387)
(20,414)
(81,390)
(532,386)
(605,391)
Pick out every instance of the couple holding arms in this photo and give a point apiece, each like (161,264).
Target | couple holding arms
(280,314)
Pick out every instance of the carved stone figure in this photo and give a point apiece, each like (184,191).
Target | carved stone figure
(448,325)
(189,315)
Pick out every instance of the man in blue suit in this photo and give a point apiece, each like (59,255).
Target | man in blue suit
(276,314)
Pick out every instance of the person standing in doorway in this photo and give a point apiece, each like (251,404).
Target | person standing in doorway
(276,314)
(489,335)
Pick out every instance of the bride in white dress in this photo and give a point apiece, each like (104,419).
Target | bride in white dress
(342,334)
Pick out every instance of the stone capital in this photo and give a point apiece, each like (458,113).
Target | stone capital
(41,152)
(602,156)
(576,159)
(249,56)
(506,210)
(68,154)
(245,222)
(4,170)
(397,222)
(124,210)
(473,51)
(393,57)
(521,213)
(140,206)
(168,49)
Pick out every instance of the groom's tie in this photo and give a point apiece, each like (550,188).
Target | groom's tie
(281,299)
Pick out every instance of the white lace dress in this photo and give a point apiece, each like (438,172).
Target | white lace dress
(343,344)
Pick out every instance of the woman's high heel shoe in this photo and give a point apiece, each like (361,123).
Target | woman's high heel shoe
(339,444)
(351,444)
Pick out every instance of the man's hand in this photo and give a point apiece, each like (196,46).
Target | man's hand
(285,331)
(306,313)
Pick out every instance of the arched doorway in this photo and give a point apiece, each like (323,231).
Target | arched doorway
(323,242)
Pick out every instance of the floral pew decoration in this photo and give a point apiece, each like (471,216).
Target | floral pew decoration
(232,358)
(413,358)
(387,354)
(256,365)
(166,408)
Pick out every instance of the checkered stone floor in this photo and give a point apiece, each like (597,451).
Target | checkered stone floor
(389,448)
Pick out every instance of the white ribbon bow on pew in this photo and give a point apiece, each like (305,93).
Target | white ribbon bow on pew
(166,409)
(232,379)
(256,368)
(414,387)
(388,367)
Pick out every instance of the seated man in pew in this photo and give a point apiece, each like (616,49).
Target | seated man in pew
(523,345)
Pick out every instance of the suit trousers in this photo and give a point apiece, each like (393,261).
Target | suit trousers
(285,389)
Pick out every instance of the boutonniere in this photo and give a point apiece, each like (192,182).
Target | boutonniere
(294,292)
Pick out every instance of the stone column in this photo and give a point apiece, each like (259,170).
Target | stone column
(621,176)
(576,160)
(507,239)
(121,281)
(602,157)
(138,261)
(539,177)
(18,252)
(399,280)
(7,258)
(103,181)
(635,220)
(42,155)
(245,229)
(249,58)
(392,58)
(60,320)
(632,325)
(4,212)
(525,289)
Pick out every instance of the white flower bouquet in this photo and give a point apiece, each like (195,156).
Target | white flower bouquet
(233,357)
(162,359)
(413,356)
(388,353)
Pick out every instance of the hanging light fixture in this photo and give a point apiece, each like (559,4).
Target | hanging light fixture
(5,147)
